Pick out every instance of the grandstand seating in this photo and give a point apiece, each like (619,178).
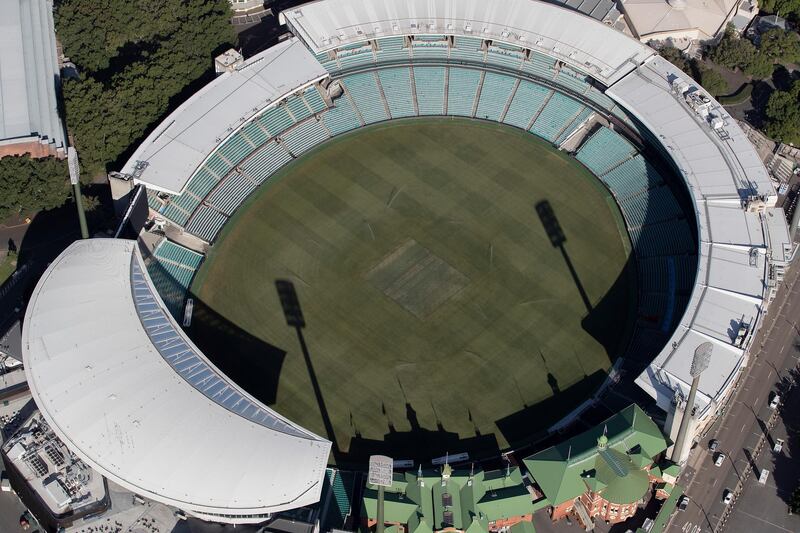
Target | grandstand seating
(341,117)
(467,48)
(508,56)
(391,48)
(604,150)
(462,87)
(495,92)
(304,136)
(206,223)
(429,82)
(268,159)
(540,65)
(396,83)
(559,112)
(526,104)
(314,99)
(430,46)
(341,485)
(296,105)
(582,117)
(231,192)
(363,87)
(275,120)
(172,273)
(355,55)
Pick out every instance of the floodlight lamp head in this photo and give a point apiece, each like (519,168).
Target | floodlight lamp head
(701,359)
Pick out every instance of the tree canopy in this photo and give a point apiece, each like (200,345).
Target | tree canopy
(783,115)
(780,45)
(30,185)
(734,52)
(713,82)
(134,59)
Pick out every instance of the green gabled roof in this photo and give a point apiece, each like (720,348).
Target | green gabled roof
(670,469)
(452,488)
(392,529)
(594,484)
(498,479)
(421,494)
(523,527)
(417,524)
(477,526)
(648,435)
(560,479)
(505,503)
(640,460)
(624,482)
(396,507)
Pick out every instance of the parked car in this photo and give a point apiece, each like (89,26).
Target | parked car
(720,459)
(713,445)
(727,496)
(778,446)
(683,502)
(776,399)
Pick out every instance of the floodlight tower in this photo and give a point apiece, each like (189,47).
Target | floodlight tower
(74,178)
(700,361)
(381,469)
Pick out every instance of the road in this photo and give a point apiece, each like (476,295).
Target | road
(742,426)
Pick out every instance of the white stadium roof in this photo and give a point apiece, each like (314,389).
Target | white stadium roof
(128,392)
(29,73)
(722,171)
(581,41)
(183,141)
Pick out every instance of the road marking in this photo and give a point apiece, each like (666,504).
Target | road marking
(765,521)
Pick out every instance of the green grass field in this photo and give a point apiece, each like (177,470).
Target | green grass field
(431,293)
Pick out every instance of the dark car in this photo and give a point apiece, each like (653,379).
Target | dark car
(713,445)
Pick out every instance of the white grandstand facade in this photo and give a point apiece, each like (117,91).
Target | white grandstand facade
(709,244)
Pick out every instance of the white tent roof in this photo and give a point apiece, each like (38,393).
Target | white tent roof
(124,388)
(721,171)
(576,39)
(183,141)
(700,19)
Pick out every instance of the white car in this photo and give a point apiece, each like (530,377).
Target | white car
(727,496)
(720,458)
(776,399)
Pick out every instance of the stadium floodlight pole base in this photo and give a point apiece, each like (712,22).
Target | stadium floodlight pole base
(380,525)
(76,187)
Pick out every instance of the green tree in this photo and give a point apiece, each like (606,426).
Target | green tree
(784,7)
(783,115)
(675,56)
(732,51)
(134,59)
(713,82)
(759,67)
(781,46)
(794,505)
(30,185)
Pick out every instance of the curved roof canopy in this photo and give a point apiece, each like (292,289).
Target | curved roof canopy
(581,41)
(124,388)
